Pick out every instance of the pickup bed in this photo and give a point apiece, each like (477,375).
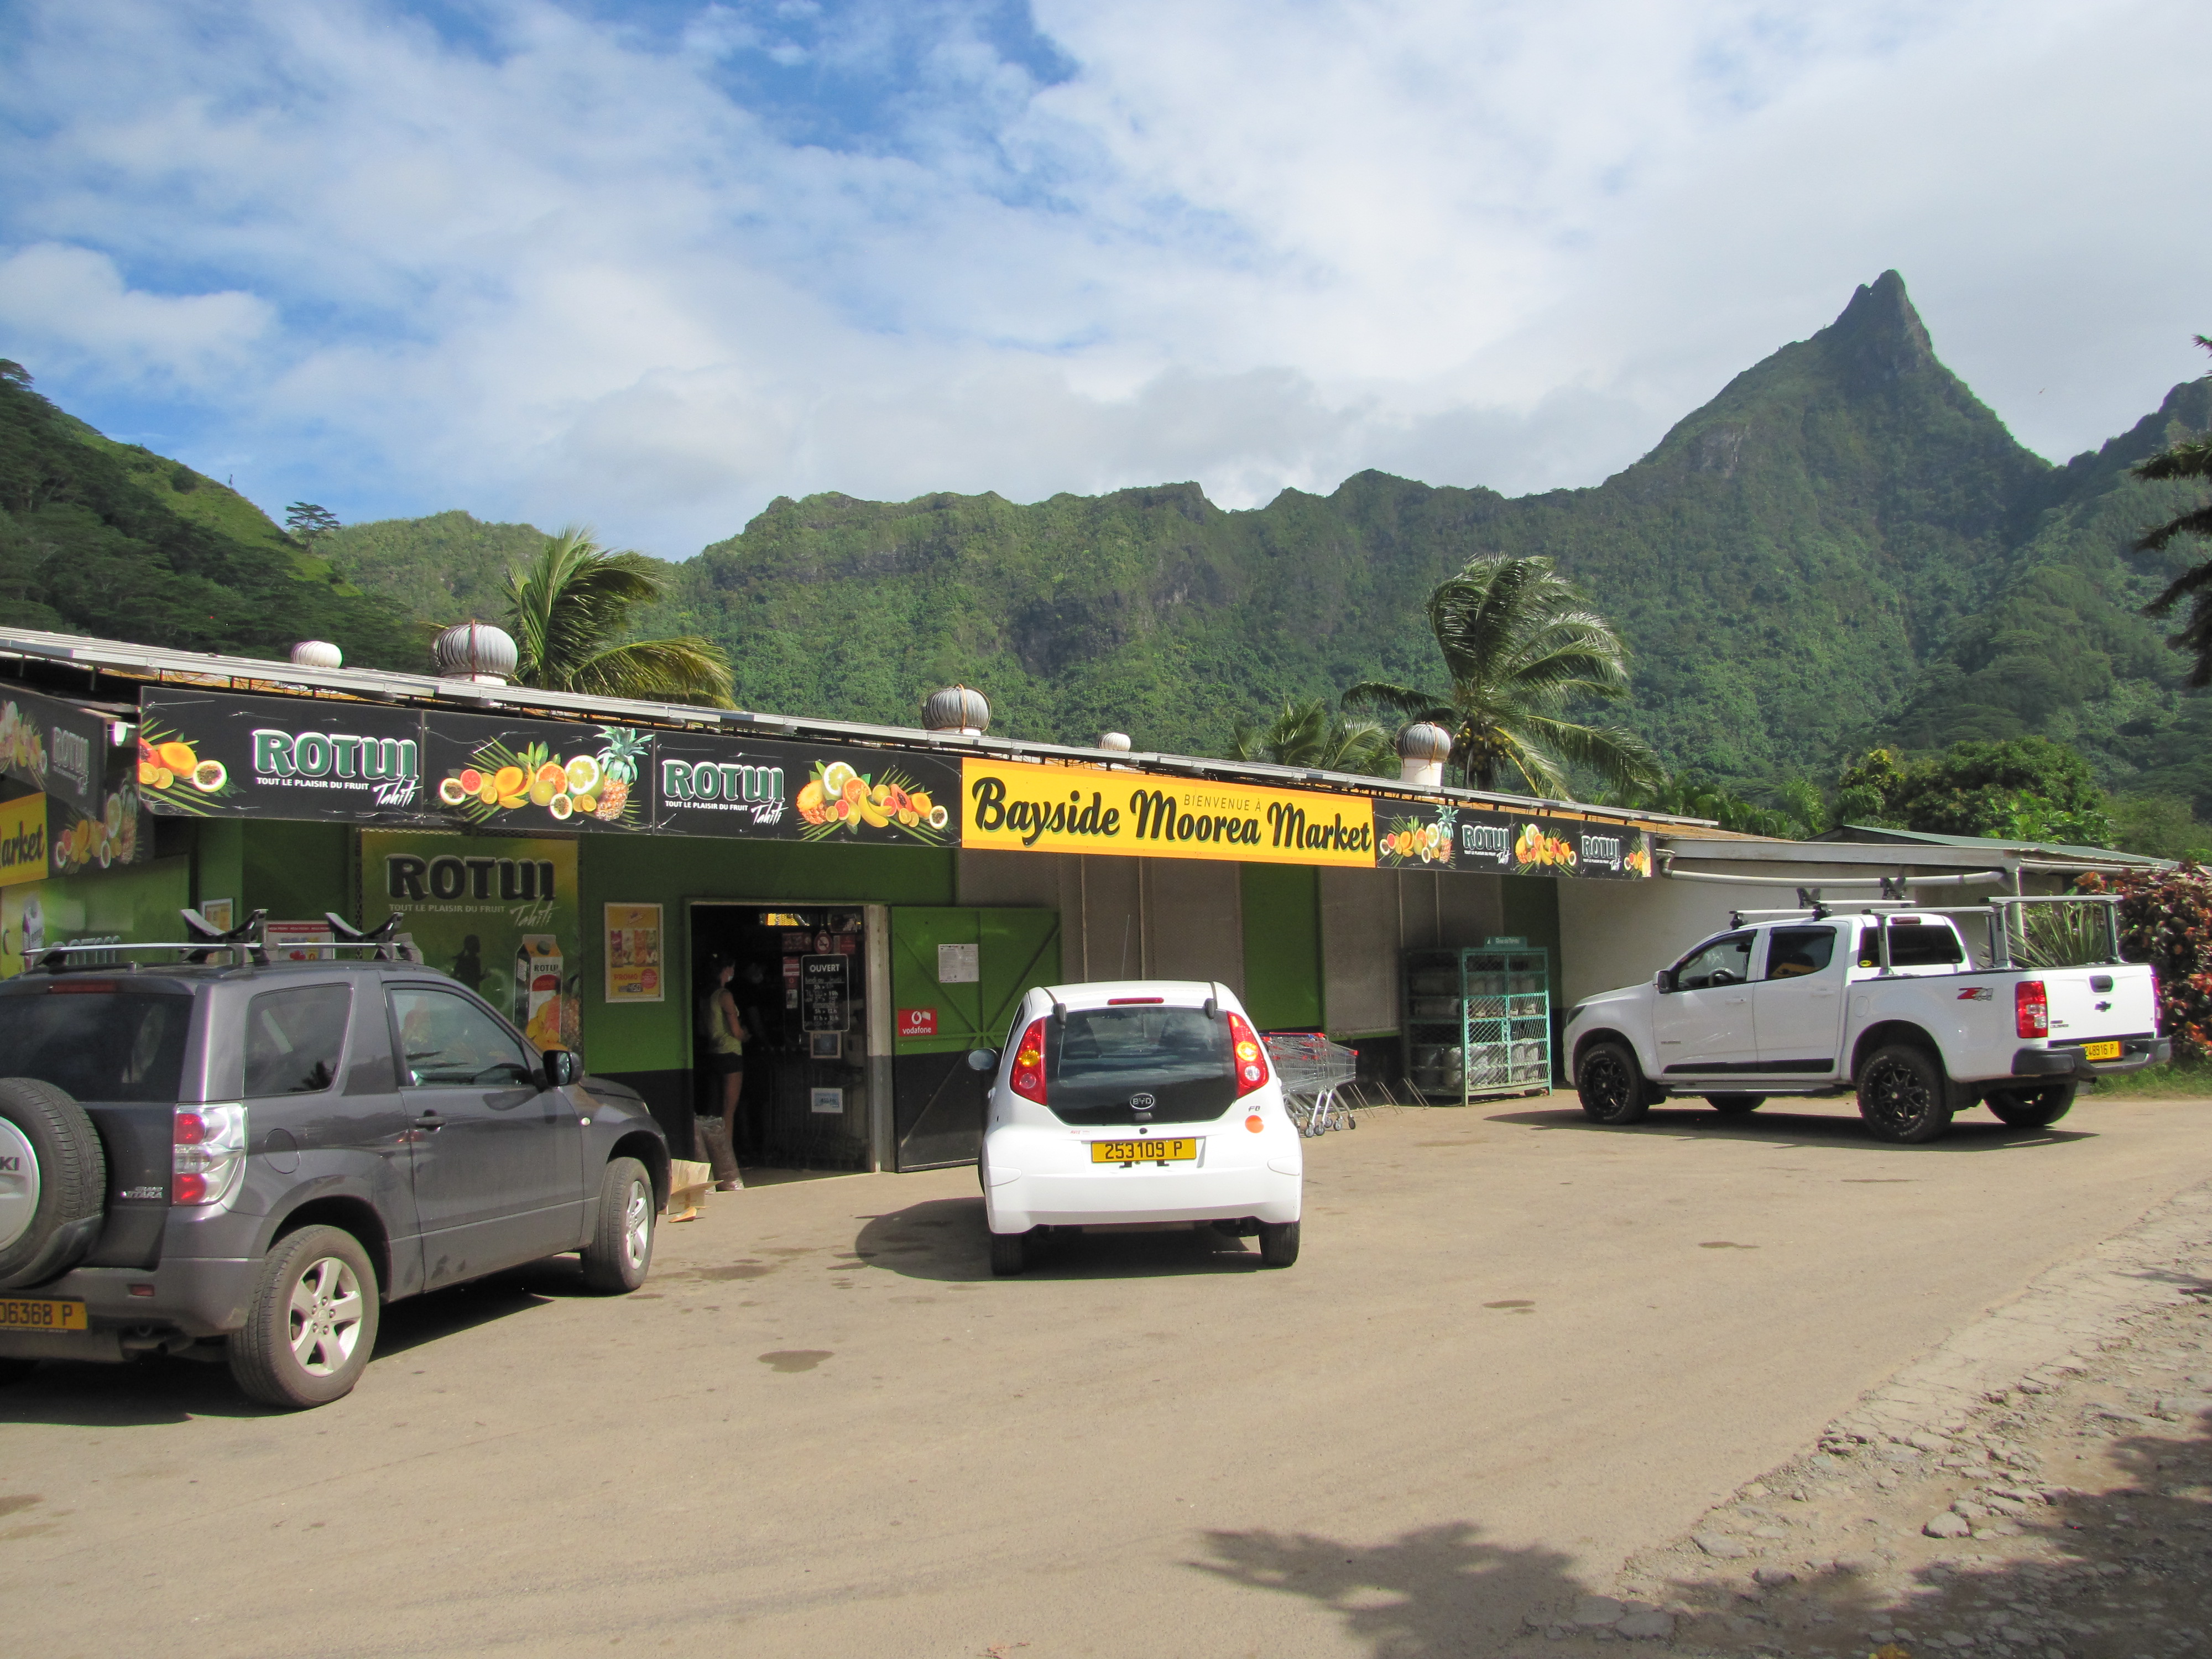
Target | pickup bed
(1923,1013)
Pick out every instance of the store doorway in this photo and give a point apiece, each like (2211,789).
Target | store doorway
(800,984)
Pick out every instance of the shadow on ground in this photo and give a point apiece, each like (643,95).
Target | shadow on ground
(1775,1126)
(160,1388)
(944,1239)
(2112,1575)
(1434,1591)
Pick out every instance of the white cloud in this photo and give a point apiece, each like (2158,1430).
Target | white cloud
(576,274)
(73,303)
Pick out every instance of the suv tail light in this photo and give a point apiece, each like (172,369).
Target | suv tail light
(1027,1079)
(1251,1056)
(2030,1009)
(207,1153)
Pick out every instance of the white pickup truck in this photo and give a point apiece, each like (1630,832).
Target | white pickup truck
(1925,1012)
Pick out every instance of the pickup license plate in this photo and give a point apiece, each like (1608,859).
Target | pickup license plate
(1144,1151)
(2100,1051)
(17,1314)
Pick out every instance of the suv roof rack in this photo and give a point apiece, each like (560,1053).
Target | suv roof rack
(238,946)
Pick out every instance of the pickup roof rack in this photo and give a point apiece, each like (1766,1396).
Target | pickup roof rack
(1997,911)
(240,945)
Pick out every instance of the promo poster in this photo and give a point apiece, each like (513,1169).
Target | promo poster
(532,775)
(91,819)
(769,791)
(1412,836)
(636,971)
(499,914)
(215,754)
(121,907)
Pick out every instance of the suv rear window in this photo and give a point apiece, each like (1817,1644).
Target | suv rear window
(293,1039)
(1912,944)
(100,1045)
(1100,1057)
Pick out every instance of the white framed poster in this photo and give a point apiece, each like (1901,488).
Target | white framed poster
(827,1100)
(634,967)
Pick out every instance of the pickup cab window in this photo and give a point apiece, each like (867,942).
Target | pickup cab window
(1912,944)
(1795,952)
(1725,961)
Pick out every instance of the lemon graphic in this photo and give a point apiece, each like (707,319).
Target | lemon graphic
(583,774)
(835,777)
(561,807)
(208,776)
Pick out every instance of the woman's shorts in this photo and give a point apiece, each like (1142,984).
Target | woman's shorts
(726,1065)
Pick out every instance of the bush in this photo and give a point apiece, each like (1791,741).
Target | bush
(2166,920)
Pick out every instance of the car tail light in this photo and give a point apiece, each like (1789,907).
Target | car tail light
(2030,1009)
(1027,1079)
(207,1153)
(1251,1057)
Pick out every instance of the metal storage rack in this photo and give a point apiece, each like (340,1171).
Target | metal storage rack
(1478,1021)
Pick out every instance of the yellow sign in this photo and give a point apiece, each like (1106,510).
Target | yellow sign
(22,839)
(634,967)
(1081,809)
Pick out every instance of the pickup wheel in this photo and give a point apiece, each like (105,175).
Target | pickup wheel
(310,1320)
(1903,1096)
(2032,1108)
(1735,1105)
(1611,1083)
(621,1250)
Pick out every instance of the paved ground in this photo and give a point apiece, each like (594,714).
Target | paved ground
(1519,1351)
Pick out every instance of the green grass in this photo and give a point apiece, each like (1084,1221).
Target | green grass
(2182,1079)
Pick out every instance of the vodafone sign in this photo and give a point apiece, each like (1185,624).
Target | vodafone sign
(917,1022)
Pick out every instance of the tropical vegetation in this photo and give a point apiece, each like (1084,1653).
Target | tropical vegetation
(2190,458)
(1520,646)
(570,609)
(1311,734)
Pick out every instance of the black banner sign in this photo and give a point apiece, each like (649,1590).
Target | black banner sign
(63,751)
(215,754)
(721,786)
(1500,843)
(825,995)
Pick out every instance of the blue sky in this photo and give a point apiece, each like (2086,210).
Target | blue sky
(649,266)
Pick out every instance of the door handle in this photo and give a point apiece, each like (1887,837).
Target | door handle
(1737,1002)
(429,1120)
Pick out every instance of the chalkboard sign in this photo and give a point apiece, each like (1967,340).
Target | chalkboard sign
(825,997)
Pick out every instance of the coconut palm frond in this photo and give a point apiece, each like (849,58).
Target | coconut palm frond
(570,603)
(1409,701)
(1313,735)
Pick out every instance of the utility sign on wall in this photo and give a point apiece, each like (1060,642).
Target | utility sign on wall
(959,964)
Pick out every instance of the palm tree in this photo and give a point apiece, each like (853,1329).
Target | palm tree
(570,603)
(2190,458)
(1314,735)
(1519,642)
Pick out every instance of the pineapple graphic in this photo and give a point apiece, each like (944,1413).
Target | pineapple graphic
(618,763)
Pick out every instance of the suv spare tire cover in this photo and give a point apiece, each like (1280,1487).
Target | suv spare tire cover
(53,1182)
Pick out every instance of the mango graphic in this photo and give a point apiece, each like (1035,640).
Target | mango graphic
(509,780)
(178,758)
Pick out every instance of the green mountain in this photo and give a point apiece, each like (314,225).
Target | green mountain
(1843,546)
(108,539)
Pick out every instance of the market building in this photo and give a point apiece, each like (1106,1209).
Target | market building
(886,893)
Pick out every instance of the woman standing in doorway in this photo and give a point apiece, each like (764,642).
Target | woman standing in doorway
(722,1032)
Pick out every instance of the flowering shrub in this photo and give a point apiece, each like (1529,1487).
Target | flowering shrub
(2166,920)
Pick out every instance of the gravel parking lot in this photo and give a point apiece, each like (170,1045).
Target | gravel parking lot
(1521,1362)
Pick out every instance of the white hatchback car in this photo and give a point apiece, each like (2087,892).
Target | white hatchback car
(1134,1102)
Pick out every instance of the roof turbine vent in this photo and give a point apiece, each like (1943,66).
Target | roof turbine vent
(317,653)
(956,710)
(474,652)
(1423,749)
(1115,743)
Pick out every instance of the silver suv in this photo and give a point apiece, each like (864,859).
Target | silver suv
(249,1161)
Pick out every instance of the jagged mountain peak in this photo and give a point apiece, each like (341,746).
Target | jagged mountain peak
(1879,338)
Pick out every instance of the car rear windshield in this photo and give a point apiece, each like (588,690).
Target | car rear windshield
(1100,1061)
(1912,944)
(99,1045)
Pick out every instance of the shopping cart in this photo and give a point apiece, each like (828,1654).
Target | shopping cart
(1312,1069)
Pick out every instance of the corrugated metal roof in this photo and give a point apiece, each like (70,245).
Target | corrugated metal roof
(1880,834)
(258,674)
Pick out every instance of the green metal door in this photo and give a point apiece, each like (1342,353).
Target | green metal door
(956,977)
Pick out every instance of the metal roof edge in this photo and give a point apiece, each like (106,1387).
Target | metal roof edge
(268,678)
